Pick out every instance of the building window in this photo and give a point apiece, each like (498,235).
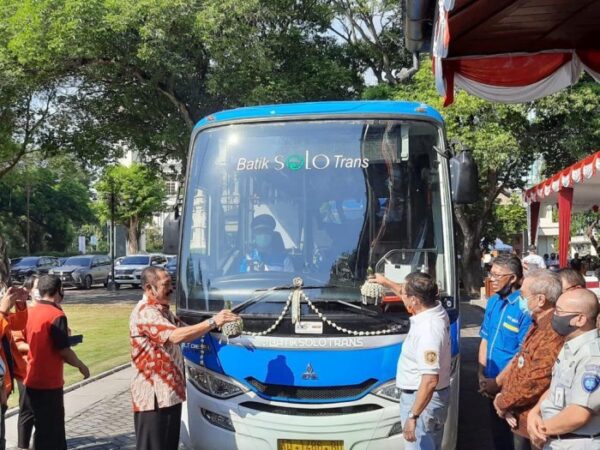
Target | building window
(171,187)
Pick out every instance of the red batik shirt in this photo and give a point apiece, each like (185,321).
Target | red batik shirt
(158,363)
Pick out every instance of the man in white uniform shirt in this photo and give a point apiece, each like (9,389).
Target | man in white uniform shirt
(423,375)
(533,261)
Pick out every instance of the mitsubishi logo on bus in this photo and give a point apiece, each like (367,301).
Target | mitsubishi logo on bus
(309,374)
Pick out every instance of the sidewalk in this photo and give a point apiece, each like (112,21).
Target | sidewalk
(98,416)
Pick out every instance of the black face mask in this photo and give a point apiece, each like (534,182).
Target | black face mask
(561,324)
(505,290)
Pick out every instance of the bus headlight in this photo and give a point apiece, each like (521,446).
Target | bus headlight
(388,390)
(212,383)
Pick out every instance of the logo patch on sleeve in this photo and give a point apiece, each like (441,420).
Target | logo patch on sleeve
(590,382)
(431,357)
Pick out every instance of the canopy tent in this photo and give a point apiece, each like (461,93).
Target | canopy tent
(506,50)
(574,189)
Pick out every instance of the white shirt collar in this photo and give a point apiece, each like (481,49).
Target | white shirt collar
(424,316)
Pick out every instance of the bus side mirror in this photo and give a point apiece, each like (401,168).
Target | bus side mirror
(464,178)
(171,227)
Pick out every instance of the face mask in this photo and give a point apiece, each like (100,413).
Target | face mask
(561,324)
(505,290)
(523,306)
(262,240)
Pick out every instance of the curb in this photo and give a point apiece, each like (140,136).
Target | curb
(11,412)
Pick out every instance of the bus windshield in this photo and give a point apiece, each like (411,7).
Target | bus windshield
(320,200)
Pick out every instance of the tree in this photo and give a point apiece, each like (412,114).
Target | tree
(137,192)
(565,127)
(40,206)
(374,33)
(494,134)
(506,220)
(143,72)
(588,223)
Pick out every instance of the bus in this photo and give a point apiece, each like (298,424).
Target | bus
(287,210)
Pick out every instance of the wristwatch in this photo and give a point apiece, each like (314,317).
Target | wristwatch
(412,415)
(212,323)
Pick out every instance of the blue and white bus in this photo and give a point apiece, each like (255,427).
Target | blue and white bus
(346,187)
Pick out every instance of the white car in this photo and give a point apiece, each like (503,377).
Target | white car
(130,268)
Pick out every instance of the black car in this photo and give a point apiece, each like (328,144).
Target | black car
(30,265)
(171,267)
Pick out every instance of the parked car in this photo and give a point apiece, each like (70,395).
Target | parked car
(130,268)
(84,271)
(30,265)
(171,267)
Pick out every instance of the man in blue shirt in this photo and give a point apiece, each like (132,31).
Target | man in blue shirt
(502,332)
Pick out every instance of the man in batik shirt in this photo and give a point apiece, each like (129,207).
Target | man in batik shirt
(158,386)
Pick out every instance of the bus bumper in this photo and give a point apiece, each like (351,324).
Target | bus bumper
(255,429)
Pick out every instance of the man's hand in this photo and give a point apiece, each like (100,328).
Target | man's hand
(499,411)
(409,430)
(511,420)
(489,387)
(12,295)
(536,429)
(83,369)
(225,316)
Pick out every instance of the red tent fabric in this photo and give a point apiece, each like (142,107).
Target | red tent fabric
(574,189)
(514,50)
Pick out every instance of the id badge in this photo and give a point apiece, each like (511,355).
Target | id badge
(559,397)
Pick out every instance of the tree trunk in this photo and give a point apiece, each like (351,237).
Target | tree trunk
(4,264)
(471,265)
(471,262)
(133,236)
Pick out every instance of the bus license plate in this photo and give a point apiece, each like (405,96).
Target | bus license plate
(291,444)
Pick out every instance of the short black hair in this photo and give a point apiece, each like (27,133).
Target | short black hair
(511,262)
(49,285)
(572,277)
(423,286)
(576,264)
(29,282)
(149,276)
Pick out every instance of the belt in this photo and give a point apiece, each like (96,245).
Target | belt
(412,391)
(575,436)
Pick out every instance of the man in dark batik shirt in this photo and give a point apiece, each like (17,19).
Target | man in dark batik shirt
(529,373)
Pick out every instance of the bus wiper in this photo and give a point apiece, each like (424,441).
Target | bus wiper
(260,294)
(361,308)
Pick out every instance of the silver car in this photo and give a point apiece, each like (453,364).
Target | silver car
(84,271)
(129,270)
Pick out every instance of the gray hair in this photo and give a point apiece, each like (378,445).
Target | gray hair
(546,283)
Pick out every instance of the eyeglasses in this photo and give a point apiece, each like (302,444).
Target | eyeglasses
(497,276)
(560,312)
(572,288)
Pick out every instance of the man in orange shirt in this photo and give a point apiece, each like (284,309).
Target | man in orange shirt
(9,355)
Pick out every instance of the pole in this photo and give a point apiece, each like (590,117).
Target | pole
(112,286)
(28,220)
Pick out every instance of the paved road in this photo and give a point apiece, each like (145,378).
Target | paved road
(99,414)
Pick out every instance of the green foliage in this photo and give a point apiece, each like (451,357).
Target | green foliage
(565,127)
(59,201)
(506,220)
(140,73)
(139,193)
(154,240)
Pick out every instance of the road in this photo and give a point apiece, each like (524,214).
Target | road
(107,422)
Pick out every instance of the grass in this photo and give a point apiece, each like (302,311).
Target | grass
(105,330)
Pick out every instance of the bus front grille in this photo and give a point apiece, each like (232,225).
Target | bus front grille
(311,393)
(313,412)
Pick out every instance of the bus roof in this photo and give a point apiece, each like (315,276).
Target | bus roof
(340,108)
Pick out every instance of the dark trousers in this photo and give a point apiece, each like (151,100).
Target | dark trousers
(3,427)
(521,443)
(502,436)
(48,410)
(157,429)
(25,422)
